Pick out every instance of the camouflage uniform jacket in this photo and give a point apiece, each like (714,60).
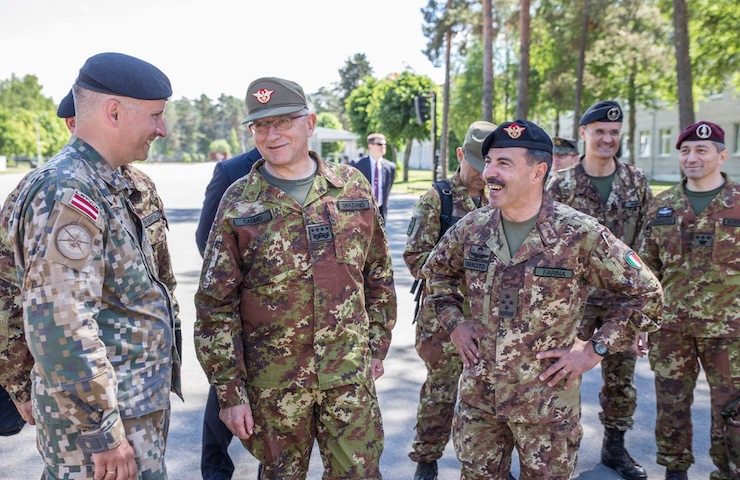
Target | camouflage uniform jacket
(291,296)
(16,360)
(98,321)
(623,211)
(534,301)
(423,235)
(697,258)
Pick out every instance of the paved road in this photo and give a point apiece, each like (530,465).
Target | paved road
(181,187)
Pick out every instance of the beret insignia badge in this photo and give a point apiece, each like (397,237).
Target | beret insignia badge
(514,131)
(613,114)
(703,131)
(263,95)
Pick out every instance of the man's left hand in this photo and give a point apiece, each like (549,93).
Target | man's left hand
(572,362)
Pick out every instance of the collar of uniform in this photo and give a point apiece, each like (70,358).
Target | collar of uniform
(111,177)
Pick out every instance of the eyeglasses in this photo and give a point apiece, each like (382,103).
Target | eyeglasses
(281,124)
(599,132)
(381,144)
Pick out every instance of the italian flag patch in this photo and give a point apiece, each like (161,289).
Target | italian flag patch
(633,260)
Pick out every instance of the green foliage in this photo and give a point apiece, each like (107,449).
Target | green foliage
(329,120)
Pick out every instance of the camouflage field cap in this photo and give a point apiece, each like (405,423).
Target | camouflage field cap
(66,107)
(562,146)
(477,132)
(270,96)
(701,131)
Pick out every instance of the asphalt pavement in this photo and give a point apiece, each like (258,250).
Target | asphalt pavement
(182,187)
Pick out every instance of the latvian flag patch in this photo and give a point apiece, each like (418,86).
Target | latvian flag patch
(85,205)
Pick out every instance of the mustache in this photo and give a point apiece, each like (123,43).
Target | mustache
(493,181)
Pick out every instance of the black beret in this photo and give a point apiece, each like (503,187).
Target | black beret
(701,131)
(124,75)
(519,133)
(605,111)
(66,107)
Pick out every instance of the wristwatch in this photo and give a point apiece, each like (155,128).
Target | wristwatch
(599,348)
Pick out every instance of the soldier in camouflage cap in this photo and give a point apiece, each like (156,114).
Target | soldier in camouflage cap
(466,192)
(99,321)
(692,242)
(528,263)
(296,300)
(617,195)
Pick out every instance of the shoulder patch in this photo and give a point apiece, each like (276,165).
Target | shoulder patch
(74,241)
(633,260)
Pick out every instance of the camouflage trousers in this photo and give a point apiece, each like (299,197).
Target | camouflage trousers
(618,395)
(147,435)
(438,393)
(345,421)
(675,360)
(484,446)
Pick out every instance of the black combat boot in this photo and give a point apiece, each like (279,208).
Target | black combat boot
(614,455)
(676,474)
(426,471)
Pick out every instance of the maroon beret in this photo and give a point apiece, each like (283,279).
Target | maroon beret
(701,131)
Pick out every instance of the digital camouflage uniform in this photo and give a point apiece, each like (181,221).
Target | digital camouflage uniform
(623,215)
(443,364)
(697,258)
(100,323)
(292,305)
(522,305)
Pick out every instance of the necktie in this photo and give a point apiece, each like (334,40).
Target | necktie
(376,181)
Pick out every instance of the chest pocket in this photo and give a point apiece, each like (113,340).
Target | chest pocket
(725,243)
(125,269)
(268,248)
(352,226)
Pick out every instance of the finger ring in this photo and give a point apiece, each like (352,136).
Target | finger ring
(110,471)
(564,371)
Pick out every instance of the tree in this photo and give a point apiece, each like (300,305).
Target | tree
(488,85)
(683,63)
(522,99)
(329,120)
(353,74)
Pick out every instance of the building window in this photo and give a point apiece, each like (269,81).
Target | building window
(645,143)
(665,141)
(737,138)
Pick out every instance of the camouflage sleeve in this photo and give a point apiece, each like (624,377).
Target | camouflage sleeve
(423,231)
(638,295)
(380,293)
(646,194)
(554,186)
(61,303)
(15,359)
(647,248)
(218,327)
(444,273)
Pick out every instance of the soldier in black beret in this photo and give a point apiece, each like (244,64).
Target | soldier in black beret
(528,263)
(86,252)
(564,153)
(616,194)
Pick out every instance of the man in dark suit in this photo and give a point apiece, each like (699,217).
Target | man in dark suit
(379,172)
(215,462)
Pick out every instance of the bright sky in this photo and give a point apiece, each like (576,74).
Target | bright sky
(213,46)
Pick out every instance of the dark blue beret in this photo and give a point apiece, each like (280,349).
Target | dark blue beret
(519,133)
(124,75)
(66,107)
(605,111)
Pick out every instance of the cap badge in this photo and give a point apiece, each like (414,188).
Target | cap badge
(703,131)
(514,131)
(613,114)
(263,95)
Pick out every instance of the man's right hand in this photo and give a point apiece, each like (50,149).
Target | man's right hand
(24,409)
(239,420)
(465,339)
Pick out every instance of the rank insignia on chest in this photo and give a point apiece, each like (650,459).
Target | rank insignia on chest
(665,212)
(319,233)
(507,303)
(703,239)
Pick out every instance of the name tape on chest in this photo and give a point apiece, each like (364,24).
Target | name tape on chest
(351,205)
(152,218)
(253,220)
(553,272)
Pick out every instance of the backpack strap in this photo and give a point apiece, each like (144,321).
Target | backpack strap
(446,220)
